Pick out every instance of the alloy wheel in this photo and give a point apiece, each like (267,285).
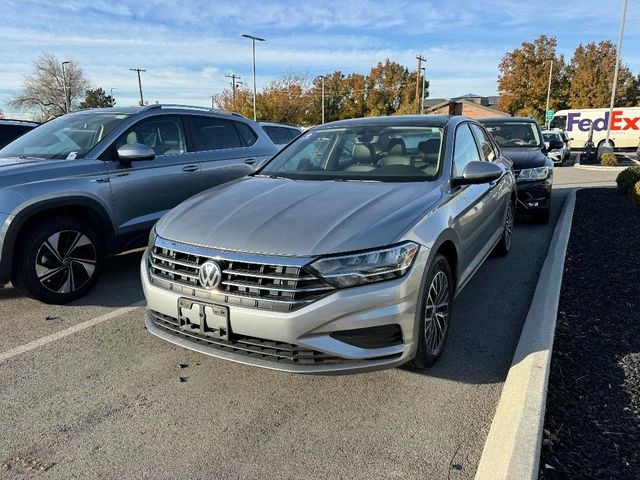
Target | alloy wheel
(66,261)
(508,225)
(436,312)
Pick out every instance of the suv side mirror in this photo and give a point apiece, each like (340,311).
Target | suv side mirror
(130,152)
(478,172)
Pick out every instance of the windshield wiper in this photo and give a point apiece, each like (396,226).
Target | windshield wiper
(271,175)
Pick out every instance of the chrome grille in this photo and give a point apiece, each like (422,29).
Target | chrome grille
(251,347)
(246,281)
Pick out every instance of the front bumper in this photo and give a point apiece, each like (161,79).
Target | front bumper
(534,196)
(5,255)
(280,340)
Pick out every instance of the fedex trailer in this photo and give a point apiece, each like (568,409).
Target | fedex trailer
(624,122)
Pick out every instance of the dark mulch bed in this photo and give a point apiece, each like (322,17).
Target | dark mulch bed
(592,424)
(622,157)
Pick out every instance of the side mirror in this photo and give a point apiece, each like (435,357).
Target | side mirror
(135,152)
(478,172)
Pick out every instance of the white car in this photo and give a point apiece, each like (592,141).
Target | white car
(555,145)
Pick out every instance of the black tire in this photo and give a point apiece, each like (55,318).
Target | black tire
(59,260)
(542,217)
(426,355)
(503,247)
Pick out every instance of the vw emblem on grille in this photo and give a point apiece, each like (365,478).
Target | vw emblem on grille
(210,275)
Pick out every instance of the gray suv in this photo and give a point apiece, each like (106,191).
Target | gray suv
(92,183)
(344,252)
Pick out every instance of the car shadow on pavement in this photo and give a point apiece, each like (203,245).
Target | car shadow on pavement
(119,285)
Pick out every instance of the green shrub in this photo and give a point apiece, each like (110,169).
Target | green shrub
(609,160)
(635,195)
(627,179)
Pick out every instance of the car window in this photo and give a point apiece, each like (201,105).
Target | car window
(11,132)
(362,152)
(486,147)
(278,135)
(210,133)
(465,149)
(293,133)
(247,135)
(164,134)
(67,137)
(515,134)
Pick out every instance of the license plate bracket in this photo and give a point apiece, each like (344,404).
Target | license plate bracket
(207,319)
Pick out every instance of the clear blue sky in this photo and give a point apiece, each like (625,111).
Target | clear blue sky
(188,46)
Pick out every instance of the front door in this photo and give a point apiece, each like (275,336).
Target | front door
(144,190)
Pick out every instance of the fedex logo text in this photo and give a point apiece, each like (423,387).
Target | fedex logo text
(618,122)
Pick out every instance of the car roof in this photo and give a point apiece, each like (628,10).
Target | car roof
(507,119)
(275,124)
(132,110)
(9,121)
(400,120)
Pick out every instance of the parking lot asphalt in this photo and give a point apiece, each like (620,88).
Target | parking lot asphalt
(109,400)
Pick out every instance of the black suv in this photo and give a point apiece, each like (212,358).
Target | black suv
(12,129)
(521,141)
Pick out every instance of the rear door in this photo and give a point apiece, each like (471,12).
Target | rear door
(223,148)
(144,190)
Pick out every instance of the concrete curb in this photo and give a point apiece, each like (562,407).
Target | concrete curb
(596,167)
(512,449)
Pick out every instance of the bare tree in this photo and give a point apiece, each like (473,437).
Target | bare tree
(44,91)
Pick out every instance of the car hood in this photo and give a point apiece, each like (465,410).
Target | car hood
(525,157)
(298,218)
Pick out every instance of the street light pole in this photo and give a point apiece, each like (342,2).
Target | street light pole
(424,78)
(67,107)
(420,59)
(615,72)
(253,45)
(322,79)
(548,95)
(138,70)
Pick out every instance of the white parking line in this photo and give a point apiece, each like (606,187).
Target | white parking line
(27,347)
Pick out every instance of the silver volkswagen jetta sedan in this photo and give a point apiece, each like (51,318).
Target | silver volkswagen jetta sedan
(343,253)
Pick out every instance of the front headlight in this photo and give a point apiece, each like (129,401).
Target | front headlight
(531,174)
(366,267)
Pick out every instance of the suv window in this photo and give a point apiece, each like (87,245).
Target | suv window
(8,133)
(486,147)
(293,133)
(164,134)
(210,133)
(278,135)
(465,149)
(247,135)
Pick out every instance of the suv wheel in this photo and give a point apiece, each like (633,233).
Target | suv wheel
(434,313)
(60,260)
(504,245)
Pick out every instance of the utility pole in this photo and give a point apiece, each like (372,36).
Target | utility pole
(138,70)
(322,79)
(424,79)
(212,98)
(548,94)
(233,78)
(615,72)
(253,44)
(420,60)
(67,102)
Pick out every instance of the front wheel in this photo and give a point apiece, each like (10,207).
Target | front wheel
(60,260)
(434,313)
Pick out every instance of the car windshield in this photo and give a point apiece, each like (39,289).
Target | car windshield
(70,136)
(515,134)
(548,137)
(370,152)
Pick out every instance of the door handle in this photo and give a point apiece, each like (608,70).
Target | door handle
(191,168)
(250,161)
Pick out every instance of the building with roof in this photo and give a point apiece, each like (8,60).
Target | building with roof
(469,105)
